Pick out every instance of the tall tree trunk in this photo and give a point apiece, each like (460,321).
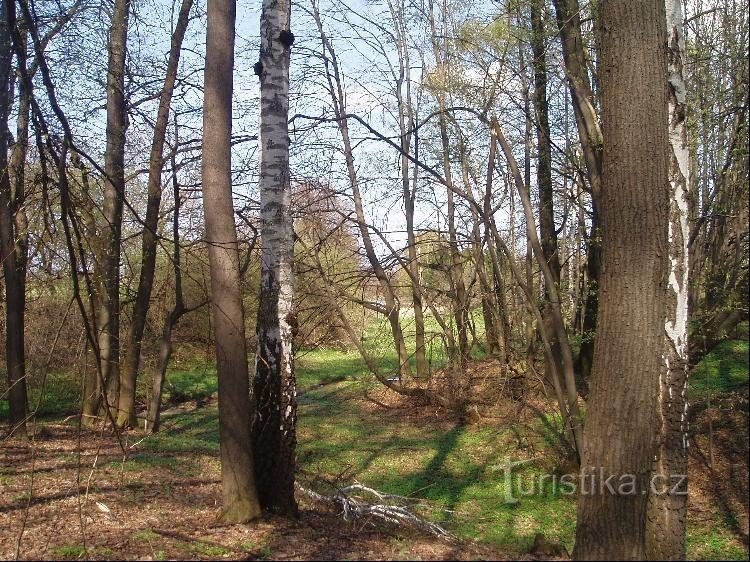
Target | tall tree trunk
(126,415)
(406,125)
(619,442)
(529,257)
(547,231)
(114,196)
(336,90)
(590,136)
(667,507)
(274,389)
(235,407)
(574,54)
(456,277)
(18,161)
(544,146)
(13,262)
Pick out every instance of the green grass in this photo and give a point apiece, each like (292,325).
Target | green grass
(722,370)
(73,551)
(378,341)
(713,543)
(455,471)
(77,552)
(191,382)
(59,393)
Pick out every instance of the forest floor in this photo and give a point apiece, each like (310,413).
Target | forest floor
(71,494)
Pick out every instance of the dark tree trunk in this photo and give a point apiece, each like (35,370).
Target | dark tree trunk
(114,196)
(619,442)
(235,407)
(13,258)
(126,417)
(547,232)
(590,137)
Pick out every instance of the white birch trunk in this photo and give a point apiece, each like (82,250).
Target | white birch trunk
(274,386)
(667,509)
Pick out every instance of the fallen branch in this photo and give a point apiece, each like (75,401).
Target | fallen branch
(353,507)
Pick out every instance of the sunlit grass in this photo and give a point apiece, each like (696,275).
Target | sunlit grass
(453,471)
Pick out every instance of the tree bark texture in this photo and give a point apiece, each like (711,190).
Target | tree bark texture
(619,441)
(114,195)
(14,270)
(667,507)
(274,388)
(235,407)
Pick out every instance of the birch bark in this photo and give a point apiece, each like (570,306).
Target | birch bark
(274,387)
(667,507)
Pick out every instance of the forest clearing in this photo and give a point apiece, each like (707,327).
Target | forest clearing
(350,430)
(374,279)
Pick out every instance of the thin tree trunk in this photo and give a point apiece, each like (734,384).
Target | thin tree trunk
(574,54)
(494,334)
(619,443)
(529,257)
(667,507)
(458,288)
(126,415)
(235,407)
(274,387)
(590,136)
(114,195)
(165,340)
(13,262)
(547,231)
(556,330)
(406,125)
(336,91)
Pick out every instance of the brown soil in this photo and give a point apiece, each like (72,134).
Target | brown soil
(67,495)
(75,512)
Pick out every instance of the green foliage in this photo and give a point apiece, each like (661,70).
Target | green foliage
(68,552)
(59,395)
(724,369)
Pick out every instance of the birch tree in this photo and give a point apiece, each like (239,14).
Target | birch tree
(667,508)
(274,389)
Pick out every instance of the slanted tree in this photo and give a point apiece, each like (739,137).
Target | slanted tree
(235,407)
(618,437)
(274,389)
(126,409)
(568,13)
